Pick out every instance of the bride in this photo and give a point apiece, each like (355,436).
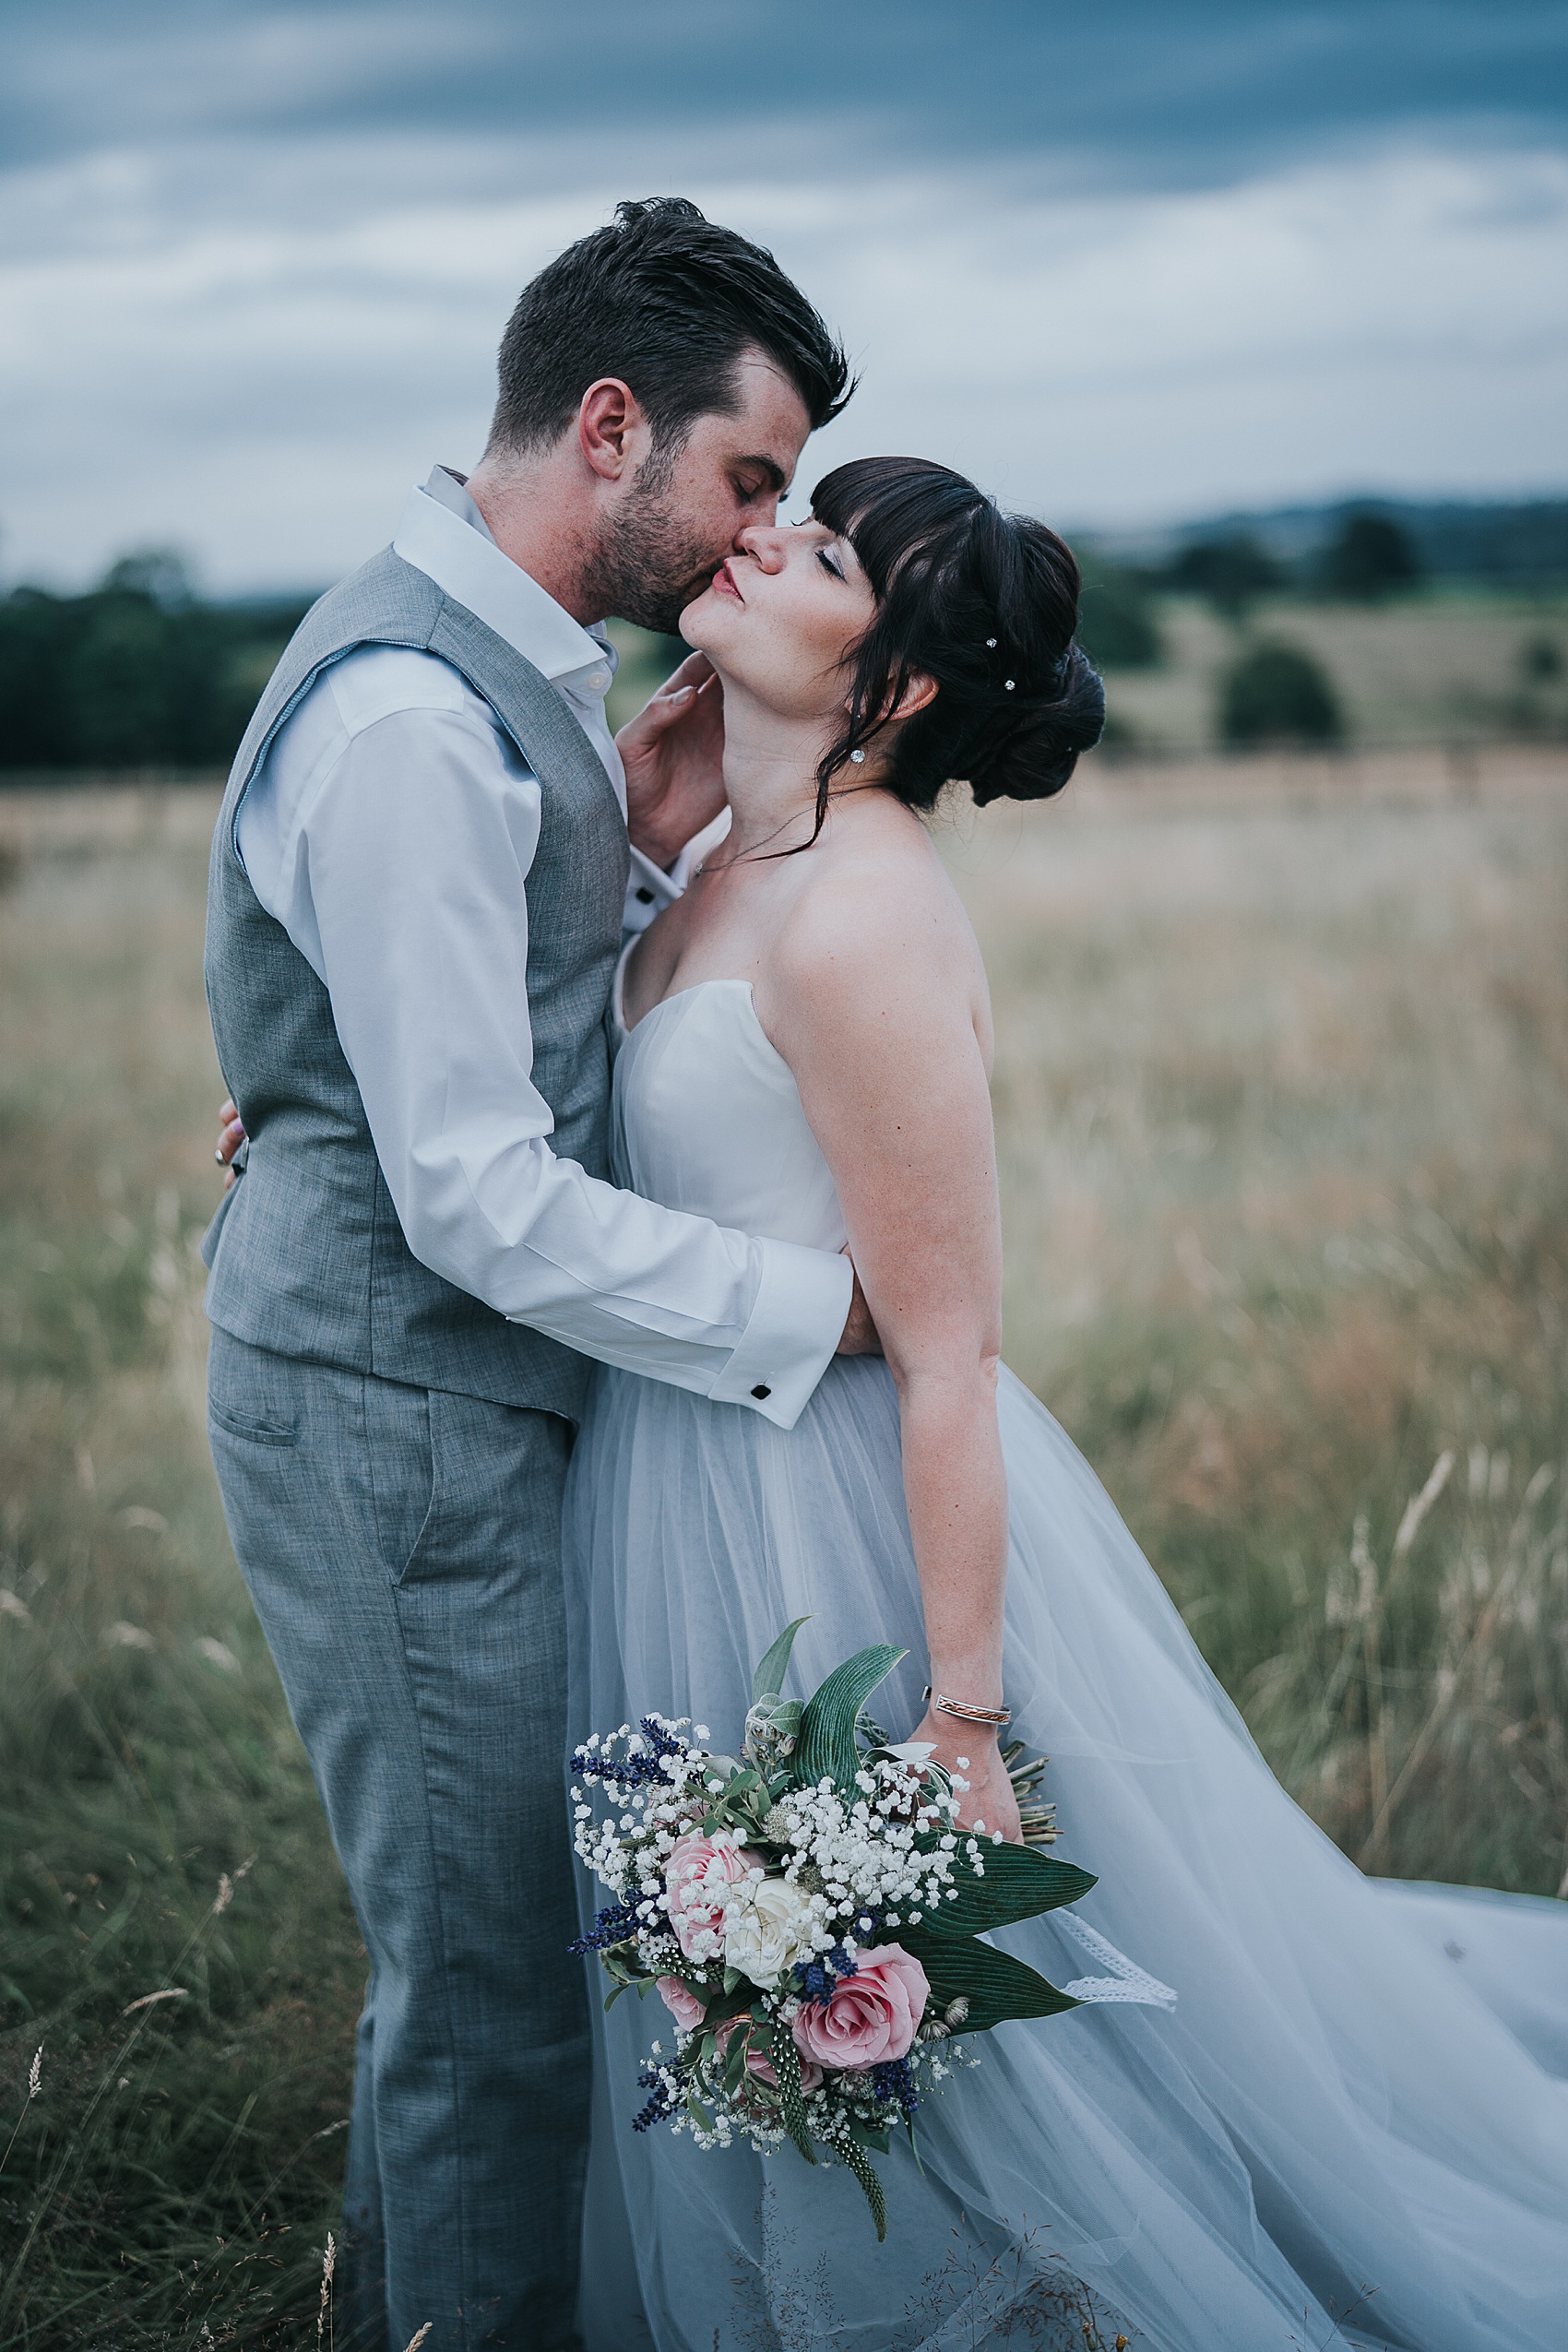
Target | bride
(1352,2123)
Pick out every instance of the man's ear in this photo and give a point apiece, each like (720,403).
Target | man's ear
(610,424)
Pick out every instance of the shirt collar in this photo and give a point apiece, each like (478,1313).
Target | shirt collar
(443,535)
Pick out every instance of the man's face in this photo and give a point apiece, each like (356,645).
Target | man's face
(683,511)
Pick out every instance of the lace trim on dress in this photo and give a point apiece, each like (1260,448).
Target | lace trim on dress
(1128,1981)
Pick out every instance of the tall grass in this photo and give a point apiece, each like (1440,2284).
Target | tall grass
(175,1937)
(1282,1093)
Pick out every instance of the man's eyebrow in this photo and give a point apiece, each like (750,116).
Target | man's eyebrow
(772,473)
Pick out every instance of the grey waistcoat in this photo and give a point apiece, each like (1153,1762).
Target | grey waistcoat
(306,1254)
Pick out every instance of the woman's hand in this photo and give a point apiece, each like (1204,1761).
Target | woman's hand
(990,1796)
(230,1135)
(673,755)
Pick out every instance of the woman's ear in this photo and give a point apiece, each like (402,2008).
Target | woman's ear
(919,690)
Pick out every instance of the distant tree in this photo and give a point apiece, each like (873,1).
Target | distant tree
(1229,572)
(1539,661)
(1369,557)
(1116,622)
(1276,693)
(160,573)
(137,674)
(37,634)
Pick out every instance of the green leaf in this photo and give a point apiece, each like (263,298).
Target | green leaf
(1018,1884)
(995,1985)
(734,2063)
(728,2005)
(768,1680)
(827,1728)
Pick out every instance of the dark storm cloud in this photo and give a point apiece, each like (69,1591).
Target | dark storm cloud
(1122,259)
(1135,93)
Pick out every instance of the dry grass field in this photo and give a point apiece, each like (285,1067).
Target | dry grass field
(1282,1091)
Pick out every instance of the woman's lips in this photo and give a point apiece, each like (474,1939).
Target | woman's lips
(725,583)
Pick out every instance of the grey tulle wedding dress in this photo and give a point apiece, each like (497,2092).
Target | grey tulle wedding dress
(1352,2124)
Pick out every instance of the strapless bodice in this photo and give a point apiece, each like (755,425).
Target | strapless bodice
(705,1116)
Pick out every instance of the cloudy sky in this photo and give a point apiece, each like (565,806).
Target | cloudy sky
(1125,261)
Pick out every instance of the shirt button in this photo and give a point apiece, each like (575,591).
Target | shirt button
(598,680)
(761,1390)
(645,897)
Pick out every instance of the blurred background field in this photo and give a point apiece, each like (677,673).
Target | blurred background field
(1282,1090)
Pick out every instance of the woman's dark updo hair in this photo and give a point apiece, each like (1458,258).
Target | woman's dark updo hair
(981,602)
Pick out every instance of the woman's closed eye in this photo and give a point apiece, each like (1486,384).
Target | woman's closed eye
(829,562)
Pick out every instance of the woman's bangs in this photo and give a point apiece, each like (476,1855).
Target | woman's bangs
(894,512)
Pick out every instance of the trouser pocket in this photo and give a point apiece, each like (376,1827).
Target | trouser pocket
(400,1458)
(251,1395)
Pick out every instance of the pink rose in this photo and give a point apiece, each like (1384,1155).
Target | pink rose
(681,2002)
(759,2064)
(872,2015)
(698,1878)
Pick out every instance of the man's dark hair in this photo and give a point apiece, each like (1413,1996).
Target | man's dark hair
(668,302)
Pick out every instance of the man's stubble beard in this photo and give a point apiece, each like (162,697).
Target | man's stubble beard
(648,564)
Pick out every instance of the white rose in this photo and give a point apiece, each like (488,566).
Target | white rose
(767,1926)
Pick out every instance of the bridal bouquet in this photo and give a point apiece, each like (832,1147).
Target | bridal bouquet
(809,1914)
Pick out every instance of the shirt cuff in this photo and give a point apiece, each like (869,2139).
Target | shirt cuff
(649,890)
(802,1306)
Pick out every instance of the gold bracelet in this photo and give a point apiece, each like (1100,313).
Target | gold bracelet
(989,1719)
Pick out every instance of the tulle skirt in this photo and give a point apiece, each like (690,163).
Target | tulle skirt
(1355,2115)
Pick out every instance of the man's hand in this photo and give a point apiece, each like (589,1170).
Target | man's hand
(861,1335)
(673,755)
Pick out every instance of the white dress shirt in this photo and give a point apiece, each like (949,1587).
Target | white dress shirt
(390,829)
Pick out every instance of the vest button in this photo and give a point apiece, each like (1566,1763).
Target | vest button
(762,1390)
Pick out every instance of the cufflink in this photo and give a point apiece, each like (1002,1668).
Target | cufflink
(761,1390)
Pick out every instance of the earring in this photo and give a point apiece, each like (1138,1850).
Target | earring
(992,644)
(1009,682)
(858,758)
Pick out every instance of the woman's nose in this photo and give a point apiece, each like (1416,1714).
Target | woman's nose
(765,544)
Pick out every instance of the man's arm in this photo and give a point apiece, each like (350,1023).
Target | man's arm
(409,853)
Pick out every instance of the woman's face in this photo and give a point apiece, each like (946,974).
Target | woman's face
(782,617)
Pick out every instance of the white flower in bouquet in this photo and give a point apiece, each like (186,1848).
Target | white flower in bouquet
(768,1925)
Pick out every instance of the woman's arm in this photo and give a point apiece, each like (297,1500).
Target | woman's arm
(877,999)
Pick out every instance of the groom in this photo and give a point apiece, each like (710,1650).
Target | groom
(426,856)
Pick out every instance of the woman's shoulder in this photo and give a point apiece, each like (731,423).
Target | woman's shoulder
(878,921)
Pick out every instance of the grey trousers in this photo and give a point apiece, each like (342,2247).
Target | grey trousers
(403,1551)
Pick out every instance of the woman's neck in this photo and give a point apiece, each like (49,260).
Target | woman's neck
(770,763)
